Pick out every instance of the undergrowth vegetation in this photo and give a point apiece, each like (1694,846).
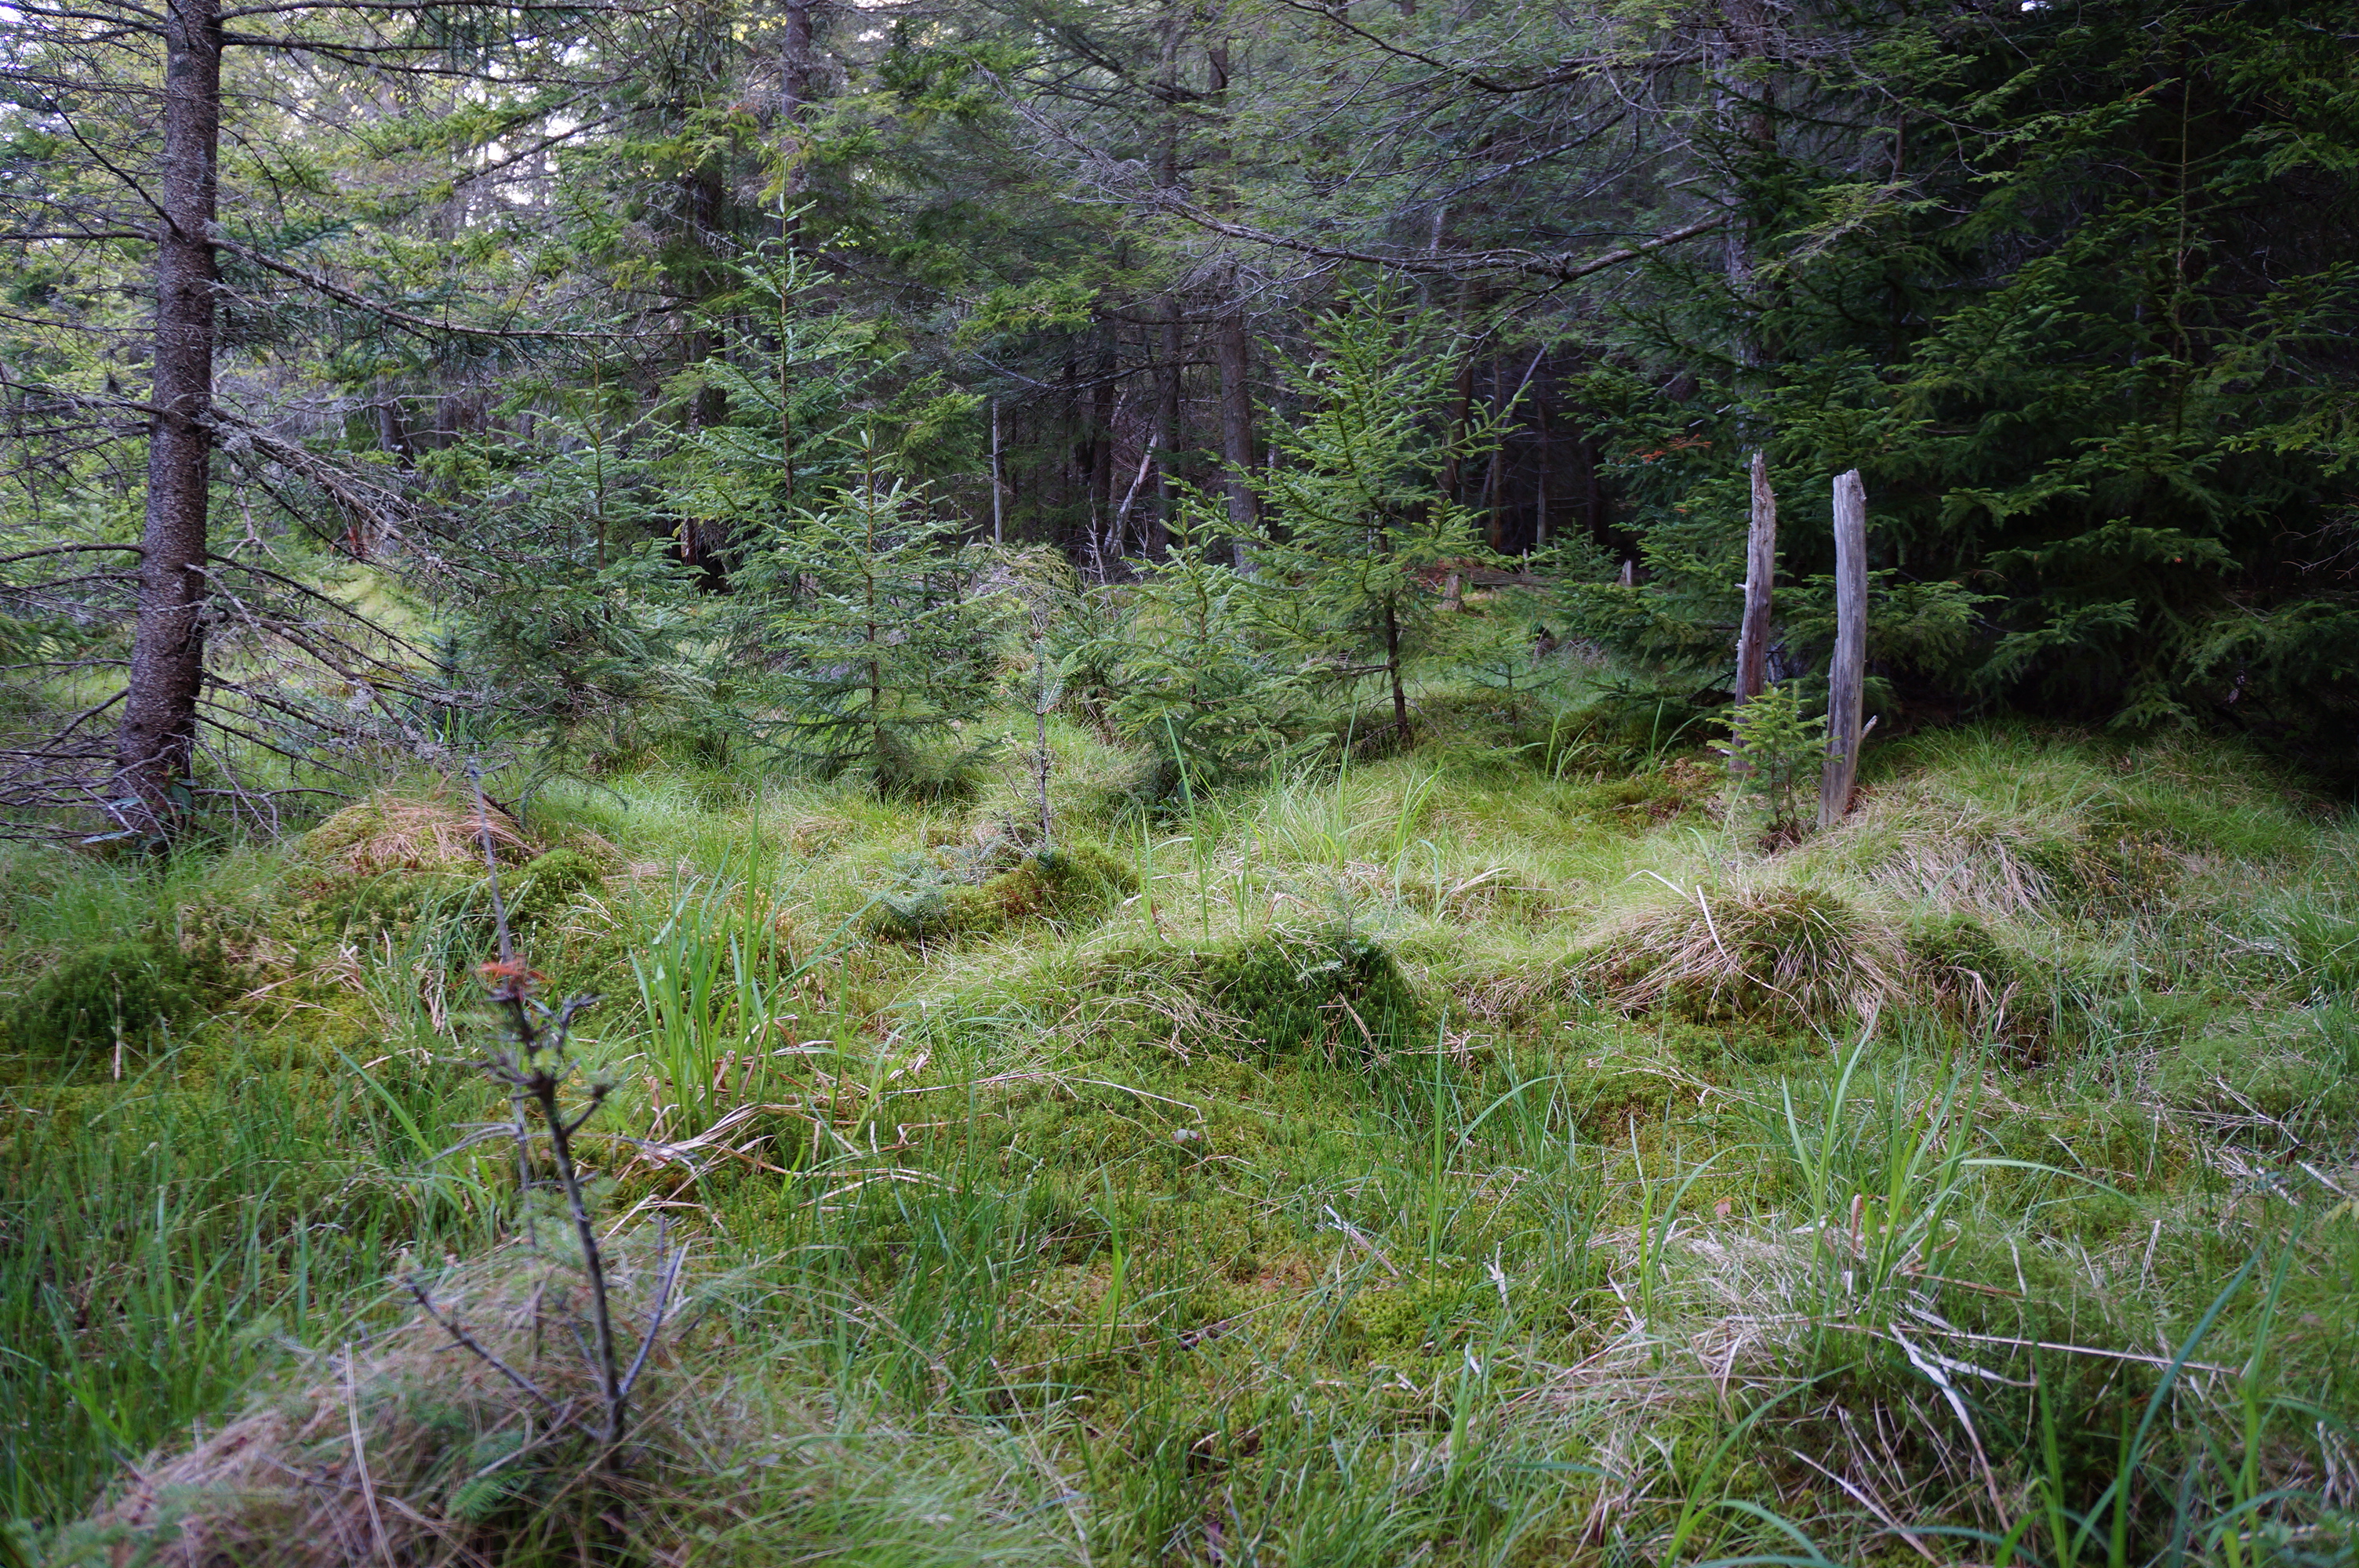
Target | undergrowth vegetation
(1488,1152)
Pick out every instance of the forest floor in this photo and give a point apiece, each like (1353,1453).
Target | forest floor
(1481,1153)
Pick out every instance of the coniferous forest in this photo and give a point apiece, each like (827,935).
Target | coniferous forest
(1101,782)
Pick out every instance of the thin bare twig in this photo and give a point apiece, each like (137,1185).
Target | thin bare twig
(451,1326)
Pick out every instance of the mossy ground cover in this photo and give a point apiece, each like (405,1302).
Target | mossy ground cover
(1481,1153)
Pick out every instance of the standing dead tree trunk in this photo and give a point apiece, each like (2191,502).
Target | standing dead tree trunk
(1166,437)
(157,744)
(1236,419)
(998,484)
(1753,636)
(1848,672)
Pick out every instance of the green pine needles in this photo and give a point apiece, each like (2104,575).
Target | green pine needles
(1198,676)
(1775,753)
(880,643)
(1357,511)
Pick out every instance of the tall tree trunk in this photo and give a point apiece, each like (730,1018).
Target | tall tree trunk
(1166,426)
(1236,419)
(1104,404)
(1541,521)
(1494,520)
(156,745)
(794,90)
(1592,493)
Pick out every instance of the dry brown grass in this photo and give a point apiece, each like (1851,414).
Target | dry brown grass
(1954,854)
(412,1451)
(1771,951)
(392,832)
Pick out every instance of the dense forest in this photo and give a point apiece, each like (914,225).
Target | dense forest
(1260,781)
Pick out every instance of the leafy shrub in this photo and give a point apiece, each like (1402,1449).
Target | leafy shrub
(1297,992)
(117,990)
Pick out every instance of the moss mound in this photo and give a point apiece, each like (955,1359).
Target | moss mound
(1297,993)
(388,904)
(1061,885)
(550,882)
(388,832)
(118,990)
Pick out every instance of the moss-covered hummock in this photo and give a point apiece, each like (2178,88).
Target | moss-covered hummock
(1298,992)
(118,991)
(1061,885)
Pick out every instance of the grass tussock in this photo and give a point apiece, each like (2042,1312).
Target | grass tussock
(392,831)
(1772,952)
(411,1449)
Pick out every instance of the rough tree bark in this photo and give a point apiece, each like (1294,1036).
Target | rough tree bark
(155,746)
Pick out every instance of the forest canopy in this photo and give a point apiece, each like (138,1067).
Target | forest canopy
(430,379)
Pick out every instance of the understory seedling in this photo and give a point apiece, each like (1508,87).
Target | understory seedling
(1774,752)
(879,643)
(534,1063)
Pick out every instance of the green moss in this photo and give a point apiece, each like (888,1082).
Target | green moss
(117,990)
(2118,858)
(1417,1320)
(1064,886)
(550,882)
(388,903)
(2293,1080)
(1298,992)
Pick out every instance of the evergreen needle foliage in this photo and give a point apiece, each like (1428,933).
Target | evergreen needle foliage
(1775,753)
(1356,515)
(1198,675)
(880,639)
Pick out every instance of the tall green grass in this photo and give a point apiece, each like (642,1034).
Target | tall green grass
(171,1237)
(1074,1275)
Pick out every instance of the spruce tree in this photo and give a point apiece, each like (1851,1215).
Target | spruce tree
(878,642)
(1197,676)
(1356,508)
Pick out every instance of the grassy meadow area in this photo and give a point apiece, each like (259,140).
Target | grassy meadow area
(1486,1152)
